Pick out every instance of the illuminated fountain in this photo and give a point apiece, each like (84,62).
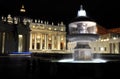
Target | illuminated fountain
(82,31)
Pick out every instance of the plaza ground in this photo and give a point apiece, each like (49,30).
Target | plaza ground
(26,67)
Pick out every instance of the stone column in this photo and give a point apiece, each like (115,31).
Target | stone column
(41,41)
(35,42)
(3,42)
(64,42)
(30,41)
(45,41)
(113,48)
(117,48)
(52,42)
(58,42)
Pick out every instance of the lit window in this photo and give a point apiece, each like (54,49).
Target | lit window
(38,37)
(105,48)
(114,38)
(62,38)
(20,36)
(61,29)
(33,26)
(107,39)
(49,28)
(55,29)
(101,49)
(49,38)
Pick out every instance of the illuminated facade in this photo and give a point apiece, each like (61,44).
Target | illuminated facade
(39,36)
(107,44)
(32,36)
(28,35)
(47,38)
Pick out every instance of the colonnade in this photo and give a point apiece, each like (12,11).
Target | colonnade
(47,41)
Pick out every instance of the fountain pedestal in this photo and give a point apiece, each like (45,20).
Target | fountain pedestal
(82,52)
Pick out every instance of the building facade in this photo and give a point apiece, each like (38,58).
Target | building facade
(47,38)
(20,34)
(25,35)
(14,35)
(107,44)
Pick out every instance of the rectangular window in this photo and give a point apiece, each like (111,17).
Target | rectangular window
(38,45)
(105,49)
(114,47)
(110,45)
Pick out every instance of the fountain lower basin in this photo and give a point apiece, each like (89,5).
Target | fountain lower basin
(97,60)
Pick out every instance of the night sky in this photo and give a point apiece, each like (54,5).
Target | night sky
(105,12)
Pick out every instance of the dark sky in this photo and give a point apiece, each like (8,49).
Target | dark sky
(104,12)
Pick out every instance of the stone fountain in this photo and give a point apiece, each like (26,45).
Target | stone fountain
(82,31)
